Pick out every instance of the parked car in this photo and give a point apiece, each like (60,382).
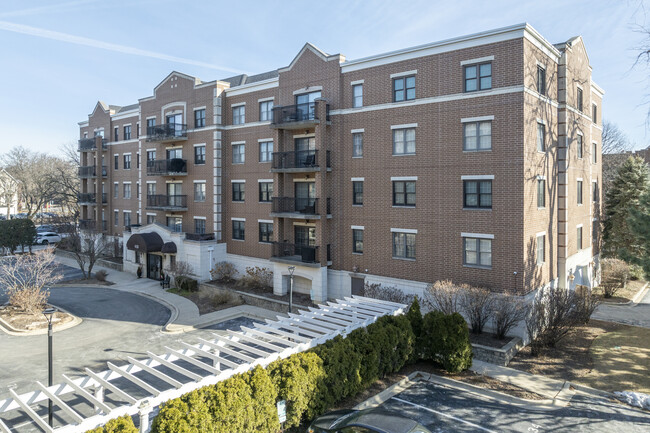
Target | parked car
(368,420)
(45,228)
(46,238)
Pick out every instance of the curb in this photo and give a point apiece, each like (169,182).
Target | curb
(640,294)
(8,329)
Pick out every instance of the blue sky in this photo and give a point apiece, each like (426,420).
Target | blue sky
(59,57)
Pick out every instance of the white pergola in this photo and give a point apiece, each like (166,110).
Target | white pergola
(141,385)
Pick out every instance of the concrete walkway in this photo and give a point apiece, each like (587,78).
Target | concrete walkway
(637,313)
(185,315)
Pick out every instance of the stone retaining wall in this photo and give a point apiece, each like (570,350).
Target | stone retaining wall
(497,356)
(100,262)
(255,300)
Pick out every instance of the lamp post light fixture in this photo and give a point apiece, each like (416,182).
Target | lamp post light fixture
(291,271)
(49,314)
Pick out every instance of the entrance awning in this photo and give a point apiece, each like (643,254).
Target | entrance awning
(168,248)
(145,242)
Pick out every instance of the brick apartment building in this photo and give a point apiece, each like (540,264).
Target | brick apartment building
(474,159)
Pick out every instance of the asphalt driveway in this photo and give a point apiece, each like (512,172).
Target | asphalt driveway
(635,315)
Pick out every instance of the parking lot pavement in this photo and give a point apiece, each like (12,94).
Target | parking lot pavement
(446,409)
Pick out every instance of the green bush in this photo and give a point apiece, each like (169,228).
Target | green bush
(445,340)
(123,424)
(231,406)
(187,414)
(265,395)
(415,317)
(395,341)
(342,366)
(186,283)
(636,272)
(368,351)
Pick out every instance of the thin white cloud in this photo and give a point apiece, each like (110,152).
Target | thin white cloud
(40,9)
(79,40)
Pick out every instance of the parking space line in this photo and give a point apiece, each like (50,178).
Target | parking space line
(445,415)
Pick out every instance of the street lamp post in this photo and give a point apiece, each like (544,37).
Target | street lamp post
(49,314)
(291,270)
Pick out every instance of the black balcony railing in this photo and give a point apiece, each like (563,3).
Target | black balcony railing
(168,132)
(90,171)
(174,166)
(299,253)
(87,224)
(87,197)
(89,144)
(160,201)
(297,113)
(199,236)
(305,206)
(304,159)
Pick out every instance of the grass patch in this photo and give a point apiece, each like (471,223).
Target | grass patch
(622,295)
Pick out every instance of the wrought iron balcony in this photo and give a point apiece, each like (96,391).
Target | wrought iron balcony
(167,167)
(87,224)
(296,207)
(89,144)
(167,202)
(199,236)
(298,161)
(167,132)
(295,253)
(89,171)
(297,116)
(87,197)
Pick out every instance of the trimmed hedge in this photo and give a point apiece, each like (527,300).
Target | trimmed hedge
(123,424)
(445,340)
(186,283)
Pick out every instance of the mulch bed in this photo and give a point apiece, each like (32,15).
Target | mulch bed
(87,281)
(24,321)
(298,298)
(209,302)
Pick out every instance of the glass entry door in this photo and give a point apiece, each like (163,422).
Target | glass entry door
(154,265)
(305,106)
(305,196)
(175,122)
(305,239)
(305,151)
(174,194)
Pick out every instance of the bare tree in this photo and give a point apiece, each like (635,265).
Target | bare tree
(63,178)
(443,296)
(25,277)
(8,190)
(508,310)
(476,303)
(614,140)
(87,247)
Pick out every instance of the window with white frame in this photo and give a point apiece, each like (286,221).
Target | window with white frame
(541,80)
(266,111)
(579,105)
(357,95)
(541,137)
(404,141)
(127,191)
(116,217)
(238,191)
(357,192)
(238,229)
(594,192)
(404,88)
(266,151)
(199,154)
(127,219)
(238,153)
(594,113)
(579,145)
(151,189)
(541,248)
(594,153)
(239,115)
(127,132)
(478,77)
(199,118)
(579,237)
(266,191)
(357,241)
(151,219)
(403,245)
(199,226)
(477,252)
(541,192)
(266,232)
(579,191)
(175,224)
(199,191)
(116,190)
(127,161)
(404,193)
(477,136)
(357,145)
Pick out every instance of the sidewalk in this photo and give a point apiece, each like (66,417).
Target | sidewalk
(185,315)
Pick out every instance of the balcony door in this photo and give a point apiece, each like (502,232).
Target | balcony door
(174,194)
(305,239)
(305,107)
(174,153)
(305,151)
(305,194)
(175,122)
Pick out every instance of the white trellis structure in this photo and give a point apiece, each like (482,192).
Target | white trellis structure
(141,385)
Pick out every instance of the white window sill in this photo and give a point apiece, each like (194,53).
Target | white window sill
(478,208)
(239,240)
(477,150)
(402,207)
(403,154)
(404,258)
(487,268)
(356,254)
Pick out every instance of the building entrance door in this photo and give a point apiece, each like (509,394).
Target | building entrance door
(154,265)
(357,286)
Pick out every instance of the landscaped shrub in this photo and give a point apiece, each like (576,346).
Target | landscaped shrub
(445,340)
(476,303)
(636,272)
(508,310)
(101,275)
(186,283)
(123,424)
(395,341)
(386,293)
(257,278)
(265,394)
(586,304)
(342,366)
(187,414)
(415,317)
(368,351)
(223,272)
(443,296)
(615,275)
(231,406)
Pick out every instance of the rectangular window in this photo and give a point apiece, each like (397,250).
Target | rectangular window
(238,230)
(579,238)
(151,123)
(127,190)
(579,191)
(138,159)
(116,218)
(266,191)
(477,194)
(541,137)
(357,241)
(594,192)
(137,190)
(579,99)
(266,232)
(403,88)
(199,155)
(477,136)
(199,191)
(151,189)
(594,153)
(175,224)
(138,130)
(239,115)
(127,132)
(477,252)
(238,191)
(404,141)
(541,249)
(594,232)
(266,151)
(199,119)
(127,162)
(403,193)
(478,77)
(357,145)
(579,146)
(117,134)
(151,219)
(357,192)
(541,193)
(404,245)
(117,162)
(357,95)
(151,156)
(594,113)
(116,190)
(238,154)
(127,219)
(266,111)
(541,80)
(199,226)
